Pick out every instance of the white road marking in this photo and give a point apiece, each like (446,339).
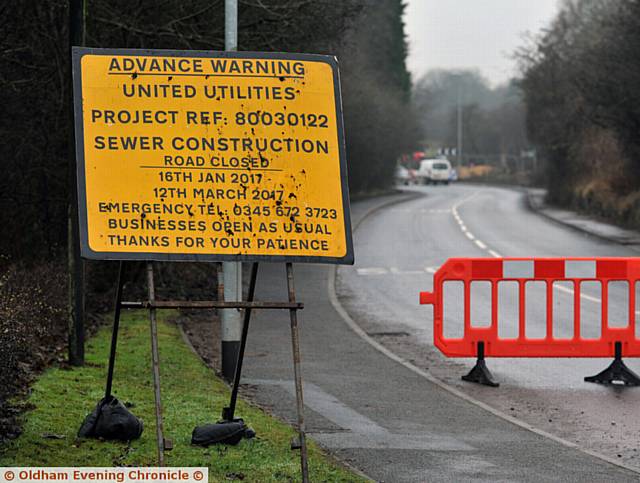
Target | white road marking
(421,210)
(371,271)
(481,244)
(495,254)
(359,431)
(397,271)
(376,271)
(568,290)
(590,298)
(465,230)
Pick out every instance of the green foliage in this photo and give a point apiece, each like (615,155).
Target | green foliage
(581,80)
(493,119)
(191,395)
(36,144)
(380,121)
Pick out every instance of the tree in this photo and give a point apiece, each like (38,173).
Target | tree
(580,80)
(368,35)
(492,118)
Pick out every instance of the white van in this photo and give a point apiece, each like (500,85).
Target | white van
(434,171)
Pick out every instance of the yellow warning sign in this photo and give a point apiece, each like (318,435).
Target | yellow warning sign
(210,156)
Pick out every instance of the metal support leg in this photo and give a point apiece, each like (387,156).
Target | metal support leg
(114,334)
(617,372)
(156,367)
(295,345)
(480,373)
(228,413)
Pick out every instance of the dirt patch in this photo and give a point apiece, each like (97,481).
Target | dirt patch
(33,330)
(202,328)
(32,333)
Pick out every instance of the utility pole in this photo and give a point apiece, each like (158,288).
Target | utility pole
(232,271)
(75,264)
(459,147)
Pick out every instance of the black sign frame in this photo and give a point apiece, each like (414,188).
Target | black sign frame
(88,253)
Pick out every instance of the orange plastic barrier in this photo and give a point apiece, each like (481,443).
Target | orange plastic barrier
(572,271)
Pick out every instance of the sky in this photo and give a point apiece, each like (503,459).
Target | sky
(482,34)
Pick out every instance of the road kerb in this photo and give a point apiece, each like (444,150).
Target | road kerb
(540,210)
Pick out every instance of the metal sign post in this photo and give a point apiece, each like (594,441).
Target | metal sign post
(228,413)
(230,318)
(75,264)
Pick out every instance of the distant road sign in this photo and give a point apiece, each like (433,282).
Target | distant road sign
(187,155)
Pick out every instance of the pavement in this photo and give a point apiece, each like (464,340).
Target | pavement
(374,410)
(585,224)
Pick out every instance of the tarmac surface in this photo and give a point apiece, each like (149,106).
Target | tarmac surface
(549,394)
(384,417)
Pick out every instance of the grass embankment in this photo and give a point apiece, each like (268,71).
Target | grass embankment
(191,395)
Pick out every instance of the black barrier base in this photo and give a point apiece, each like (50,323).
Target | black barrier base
(480,374)
(617,372)
(111,420)
(222,432)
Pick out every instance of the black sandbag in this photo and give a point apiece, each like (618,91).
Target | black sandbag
(224,432)
(111,420)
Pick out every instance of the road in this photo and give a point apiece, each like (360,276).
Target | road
(400,247)
(364,405)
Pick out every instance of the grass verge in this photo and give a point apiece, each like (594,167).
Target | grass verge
(191,395)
